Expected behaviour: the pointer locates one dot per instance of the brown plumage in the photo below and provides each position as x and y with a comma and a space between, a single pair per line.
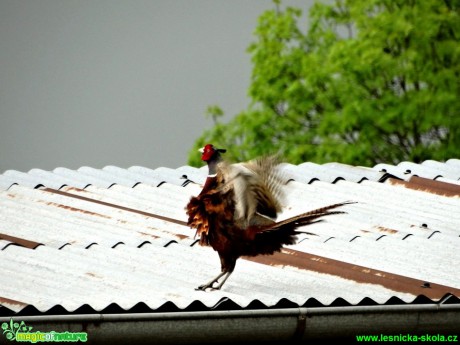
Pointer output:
236, 211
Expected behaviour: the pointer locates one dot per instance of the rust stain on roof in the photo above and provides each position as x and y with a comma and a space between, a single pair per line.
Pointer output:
388, 230
127, 209
70, 208
429, 186
93, 275
7, 301
182, 237
20, 241
360, 274
73, 189
146, 234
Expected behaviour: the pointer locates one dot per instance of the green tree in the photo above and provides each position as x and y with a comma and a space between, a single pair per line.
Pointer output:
368, 81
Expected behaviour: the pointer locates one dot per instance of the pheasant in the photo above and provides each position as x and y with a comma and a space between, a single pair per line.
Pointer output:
235, 212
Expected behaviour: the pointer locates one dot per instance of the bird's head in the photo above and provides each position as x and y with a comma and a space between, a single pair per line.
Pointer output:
210, 153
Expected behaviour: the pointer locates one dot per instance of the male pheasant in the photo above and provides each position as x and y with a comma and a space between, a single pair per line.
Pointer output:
235, 212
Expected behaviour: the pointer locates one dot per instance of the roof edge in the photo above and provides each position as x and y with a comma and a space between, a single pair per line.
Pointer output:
255, 325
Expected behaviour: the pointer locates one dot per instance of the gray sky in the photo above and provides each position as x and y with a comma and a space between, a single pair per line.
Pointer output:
113, 82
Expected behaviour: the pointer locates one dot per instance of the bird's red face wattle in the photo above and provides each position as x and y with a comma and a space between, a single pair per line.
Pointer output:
207, 152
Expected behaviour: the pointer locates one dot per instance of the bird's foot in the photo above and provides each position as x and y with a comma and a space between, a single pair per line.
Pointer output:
208, 286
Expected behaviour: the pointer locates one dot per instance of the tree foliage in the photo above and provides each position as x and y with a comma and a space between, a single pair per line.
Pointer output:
367, 81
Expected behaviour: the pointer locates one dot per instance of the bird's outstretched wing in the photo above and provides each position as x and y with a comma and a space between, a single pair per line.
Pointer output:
257, 190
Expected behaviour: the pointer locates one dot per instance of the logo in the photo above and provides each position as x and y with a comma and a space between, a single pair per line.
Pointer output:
15, 331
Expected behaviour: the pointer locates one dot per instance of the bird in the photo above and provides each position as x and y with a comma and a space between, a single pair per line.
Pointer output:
236, 211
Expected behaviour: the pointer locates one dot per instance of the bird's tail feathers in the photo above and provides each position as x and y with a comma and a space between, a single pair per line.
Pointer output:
306, 218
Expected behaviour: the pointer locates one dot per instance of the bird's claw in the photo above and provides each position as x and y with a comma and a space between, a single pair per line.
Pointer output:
207, 286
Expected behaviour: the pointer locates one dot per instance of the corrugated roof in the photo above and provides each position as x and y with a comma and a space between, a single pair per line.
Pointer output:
99, 238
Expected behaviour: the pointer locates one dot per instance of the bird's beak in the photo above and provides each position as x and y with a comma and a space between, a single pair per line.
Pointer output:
201, 150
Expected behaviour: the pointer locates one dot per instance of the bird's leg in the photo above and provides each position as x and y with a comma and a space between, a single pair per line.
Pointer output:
215, 280
227, 266
223, 281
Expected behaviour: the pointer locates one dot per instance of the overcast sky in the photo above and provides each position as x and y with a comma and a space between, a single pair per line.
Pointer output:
118, 82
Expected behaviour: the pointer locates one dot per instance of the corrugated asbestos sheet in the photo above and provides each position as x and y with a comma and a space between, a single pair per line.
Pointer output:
115, 240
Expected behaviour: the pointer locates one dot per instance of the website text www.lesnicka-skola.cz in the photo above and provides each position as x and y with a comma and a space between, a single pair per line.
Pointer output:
451, 338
